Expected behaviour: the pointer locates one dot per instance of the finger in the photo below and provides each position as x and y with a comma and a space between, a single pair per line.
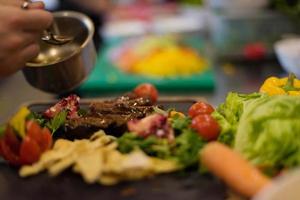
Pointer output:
16, 3
20, 40
31, 5
29, 52
29, 38
31, 20
38, 19
9, 66
19, 3
37, 5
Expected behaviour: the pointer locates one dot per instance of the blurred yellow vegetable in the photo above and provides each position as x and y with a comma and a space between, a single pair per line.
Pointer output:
158, 56
169, 62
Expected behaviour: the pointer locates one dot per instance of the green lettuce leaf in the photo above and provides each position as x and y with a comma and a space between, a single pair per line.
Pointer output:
268, 133
229, 113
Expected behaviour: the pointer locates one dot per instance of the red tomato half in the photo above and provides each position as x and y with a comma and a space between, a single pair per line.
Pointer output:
146, 90
200, 108
206, 126
47, 140
8, 154
42, 136
10, 146
30, 151
34, 131
1, 152
11, 140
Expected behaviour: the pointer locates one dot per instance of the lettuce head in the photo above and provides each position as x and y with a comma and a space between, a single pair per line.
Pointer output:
264, 129
268, 133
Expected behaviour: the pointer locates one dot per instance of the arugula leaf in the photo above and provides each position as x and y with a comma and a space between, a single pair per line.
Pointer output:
151, 145
184, 149
187, 147
127, 142
57, 121
159, 148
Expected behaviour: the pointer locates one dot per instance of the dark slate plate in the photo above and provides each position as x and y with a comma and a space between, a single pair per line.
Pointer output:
181, 185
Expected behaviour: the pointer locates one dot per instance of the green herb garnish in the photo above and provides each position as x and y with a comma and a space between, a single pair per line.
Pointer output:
57, 121
151, 145
37, 117
184, 149
187, 147
180, 123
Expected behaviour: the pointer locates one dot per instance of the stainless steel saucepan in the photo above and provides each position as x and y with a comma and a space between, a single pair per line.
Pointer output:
61, 68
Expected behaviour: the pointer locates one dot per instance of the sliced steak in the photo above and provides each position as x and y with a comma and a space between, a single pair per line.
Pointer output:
111, 116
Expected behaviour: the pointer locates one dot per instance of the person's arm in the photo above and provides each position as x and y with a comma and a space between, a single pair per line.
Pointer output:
20, 31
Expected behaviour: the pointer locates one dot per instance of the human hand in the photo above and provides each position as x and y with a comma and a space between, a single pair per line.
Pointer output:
18, 3
20, 31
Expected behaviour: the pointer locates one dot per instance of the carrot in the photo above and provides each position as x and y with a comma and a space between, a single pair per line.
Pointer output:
235, 171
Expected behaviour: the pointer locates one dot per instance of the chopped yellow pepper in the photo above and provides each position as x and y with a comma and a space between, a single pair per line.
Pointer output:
281, 86
18, 121
174, 113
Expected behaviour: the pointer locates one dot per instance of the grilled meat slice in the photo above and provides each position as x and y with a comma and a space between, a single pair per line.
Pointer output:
84, 127
111, 116
121, 109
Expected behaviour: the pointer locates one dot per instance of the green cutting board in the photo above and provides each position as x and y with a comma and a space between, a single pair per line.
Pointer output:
108, 78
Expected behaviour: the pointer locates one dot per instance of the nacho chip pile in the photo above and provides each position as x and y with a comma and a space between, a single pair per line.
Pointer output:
98, 160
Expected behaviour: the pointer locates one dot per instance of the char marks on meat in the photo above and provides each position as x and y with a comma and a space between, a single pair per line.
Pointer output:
111, 116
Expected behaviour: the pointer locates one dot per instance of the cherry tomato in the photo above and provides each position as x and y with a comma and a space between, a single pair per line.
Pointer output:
255, 51
200, 108
146, 90
30, 151
206, 126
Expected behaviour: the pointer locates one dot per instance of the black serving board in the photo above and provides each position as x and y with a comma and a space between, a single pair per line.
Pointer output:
180, 185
